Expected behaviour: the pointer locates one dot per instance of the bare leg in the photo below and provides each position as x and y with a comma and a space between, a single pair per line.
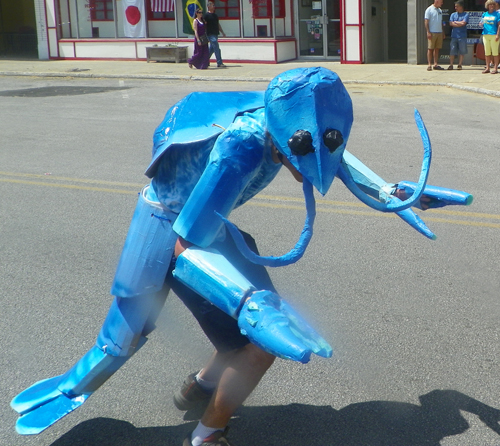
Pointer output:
488, 62
436, 56
460, 60
429, 57
452, 59
495, 67
216, 366
242, 374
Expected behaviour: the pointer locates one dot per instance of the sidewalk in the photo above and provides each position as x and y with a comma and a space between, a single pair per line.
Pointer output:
469, 79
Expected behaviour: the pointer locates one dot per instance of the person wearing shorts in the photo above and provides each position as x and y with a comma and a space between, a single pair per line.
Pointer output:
458, 45
434, 28
491, 35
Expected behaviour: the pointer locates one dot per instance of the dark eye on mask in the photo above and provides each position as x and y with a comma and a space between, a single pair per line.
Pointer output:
333, 139
301, 143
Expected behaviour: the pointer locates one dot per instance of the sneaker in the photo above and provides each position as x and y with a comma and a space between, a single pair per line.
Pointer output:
221, 66
191, 394
218, 438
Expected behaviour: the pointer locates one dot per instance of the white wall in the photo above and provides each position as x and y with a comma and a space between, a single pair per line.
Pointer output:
352, 33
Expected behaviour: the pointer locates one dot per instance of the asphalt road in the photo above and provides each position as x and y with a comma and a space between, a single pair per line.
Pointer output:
413, 322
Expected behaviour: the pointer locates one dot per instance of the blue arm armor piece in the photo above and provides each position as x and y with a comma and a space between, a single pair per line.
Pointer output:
210, 274
274, 326
267, 320
233, 162
439, 196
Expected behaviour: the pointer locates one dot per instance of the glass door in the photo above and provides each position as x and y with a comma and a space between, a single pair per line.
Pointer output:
319, 29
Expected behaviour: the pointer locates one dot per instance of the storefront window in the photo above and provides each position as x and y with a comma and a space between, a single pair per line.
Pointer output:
262, 9
160, 15
101, 10
91, 19
229, 9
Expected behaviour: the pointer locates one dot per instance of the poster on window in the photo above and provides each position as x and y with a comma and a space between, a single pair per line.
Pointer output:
134, 18
189, 7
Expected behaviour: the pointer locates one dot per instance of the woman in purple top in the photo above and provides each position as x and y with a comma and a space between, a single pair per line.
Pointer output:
201, 55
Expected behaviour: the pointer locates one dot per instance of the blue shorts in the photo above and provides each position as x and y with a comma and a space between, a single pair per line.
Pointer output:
458, 46
220, 328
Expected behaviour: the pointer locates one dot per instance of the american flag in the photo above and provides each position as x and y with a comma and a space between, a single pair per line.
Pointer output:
162, 5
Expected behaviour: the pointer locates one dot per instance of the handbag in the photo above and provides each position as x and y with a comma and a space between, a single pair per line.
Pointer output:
204, 39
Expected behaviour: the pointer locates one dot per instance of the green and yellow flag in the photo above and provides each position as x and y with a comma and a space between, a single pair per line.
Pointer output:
189, 8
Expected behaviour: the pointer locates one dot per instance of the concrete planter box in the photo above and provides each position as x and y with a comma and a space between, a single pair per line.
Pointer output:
166, 53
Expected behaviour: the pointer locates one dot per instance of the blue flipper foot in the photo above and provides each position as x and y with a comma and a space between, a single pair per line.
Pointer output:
46, 415
37, 395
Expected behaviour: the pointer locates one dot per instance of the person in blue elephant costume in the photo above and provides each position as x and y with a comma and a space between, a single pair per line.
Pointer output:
208, 160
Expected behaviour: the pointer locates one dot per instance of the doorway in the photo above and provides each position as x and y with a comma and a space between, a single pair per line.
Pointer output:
18, 29
319, 29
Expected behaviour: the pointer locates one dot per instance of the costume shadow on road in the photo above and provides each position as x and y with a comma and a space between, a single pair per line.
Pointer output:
372, 423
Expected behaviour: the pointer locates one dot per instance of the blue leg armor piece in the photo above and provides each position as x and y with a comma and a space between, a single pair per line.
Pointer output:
122, 334
263, 316
143, 266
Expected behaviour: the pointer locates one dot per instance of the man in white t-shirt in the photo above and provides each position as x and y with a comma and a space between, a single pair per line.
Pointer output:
434, 27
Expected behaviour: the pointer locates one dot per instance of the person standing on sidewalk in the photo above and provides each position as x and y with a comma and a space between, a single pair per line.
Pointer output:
200, 58
491, 36
213, 30
434, 27
458, 23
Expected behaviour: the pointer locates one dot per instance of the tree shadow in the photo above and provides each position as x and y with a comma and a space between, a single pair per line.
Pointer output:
372, 423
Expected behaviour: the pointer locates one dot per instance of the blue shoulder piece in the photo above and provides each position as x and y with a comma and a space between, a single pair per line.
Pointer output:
192, 119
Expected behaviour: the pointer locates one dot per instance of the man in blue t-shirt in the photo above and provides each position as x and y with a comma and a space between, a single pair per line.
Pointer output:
458, 45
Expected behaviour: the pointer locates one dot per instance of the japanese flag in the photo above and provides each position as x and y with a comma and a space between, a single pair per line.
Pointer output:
134, 18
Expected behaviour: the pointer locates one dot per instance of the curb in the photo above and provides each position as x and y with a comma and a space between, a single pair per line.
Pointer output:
476, 90
137, 76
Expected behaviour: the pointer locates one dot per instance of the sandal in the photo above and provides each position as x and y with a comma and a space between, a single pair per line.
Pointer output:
459, 67
450, 67
486, 70
494, 72
429, 68
437, 67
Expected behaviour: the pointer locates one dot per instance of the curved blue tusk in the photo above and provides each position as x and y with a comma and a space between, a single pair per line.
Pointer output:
296, 252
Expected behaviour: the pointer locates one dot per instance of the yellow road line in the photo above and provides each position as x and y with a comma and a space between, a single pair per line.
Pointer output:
258, 201
72, 180
69, 186
361, 205
373, 214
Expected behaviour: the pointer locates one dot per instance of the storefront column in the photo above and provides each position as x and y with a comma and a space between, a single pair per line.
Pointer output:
41, 30
417, 37
352, 31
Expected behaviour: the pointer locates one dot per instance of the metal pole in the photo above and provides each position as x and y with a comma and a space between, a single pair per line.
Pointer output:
242, 26
115, 15
274, 18
77, 20
175, 18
